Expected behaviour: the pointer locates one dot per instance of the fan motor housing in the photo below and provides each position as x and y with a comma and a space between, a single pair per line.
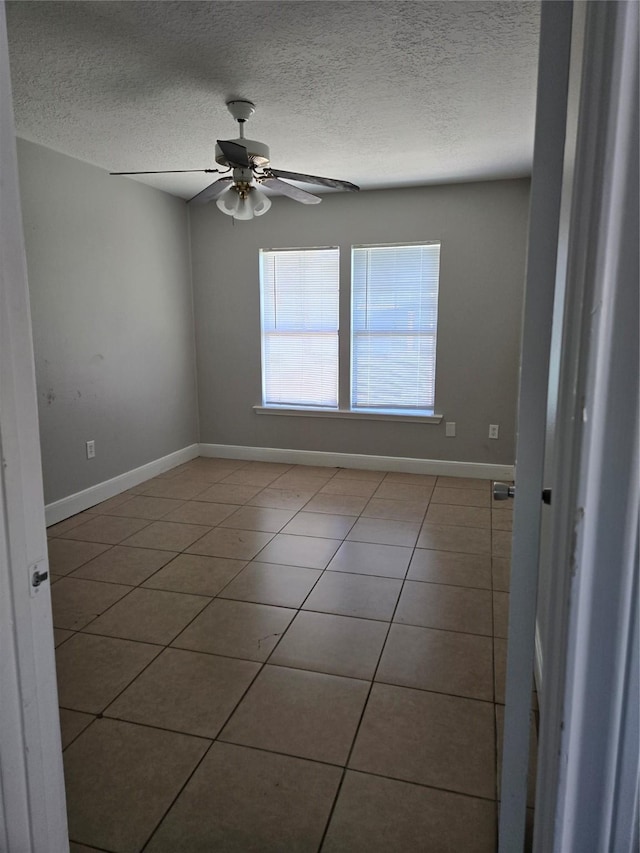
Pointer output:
258, 152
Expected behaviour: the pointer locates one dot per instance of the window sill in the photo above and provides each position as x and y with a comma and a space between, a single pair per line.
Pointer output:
292, 411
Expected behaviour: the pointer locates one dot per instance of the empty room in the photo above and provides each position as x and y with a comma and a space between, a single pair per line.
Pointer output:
287, 330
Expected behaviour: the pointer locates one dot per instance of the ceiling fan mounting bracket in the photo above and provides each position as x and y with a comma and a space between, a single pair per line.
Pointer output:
241, 110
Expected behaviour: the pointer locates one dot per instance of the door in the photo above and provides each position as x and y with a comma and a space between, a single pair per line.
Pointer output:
32, 808
579, 366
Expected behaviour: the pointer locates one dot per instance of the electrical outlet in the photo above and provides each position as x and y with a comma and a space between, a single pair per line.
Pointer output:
493, 430
91, 449
450, 429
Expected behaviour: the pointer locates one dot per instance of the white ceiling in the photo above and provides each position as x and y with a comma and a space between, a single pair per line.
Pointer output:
379, 93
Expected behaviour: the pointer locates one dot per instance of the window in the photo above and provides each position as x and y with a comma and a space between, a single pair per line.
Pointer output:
394, 319
300, 290
392, 330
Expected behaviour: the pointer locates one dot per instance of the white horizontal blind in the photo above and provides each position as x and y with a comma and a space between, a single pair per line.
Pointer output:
299, 292
394, 324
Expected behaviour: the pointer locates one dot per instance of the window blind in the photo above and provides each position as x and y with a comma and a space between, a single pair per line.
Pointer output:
299, 297
394, 323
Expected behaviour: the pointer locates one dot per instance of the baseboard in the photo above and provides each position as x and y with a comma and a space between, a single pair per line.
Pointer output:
403, 464
66, 507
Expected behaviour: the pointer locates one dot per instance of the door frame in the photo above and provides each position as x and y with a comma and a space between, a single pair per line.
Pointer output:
32, 796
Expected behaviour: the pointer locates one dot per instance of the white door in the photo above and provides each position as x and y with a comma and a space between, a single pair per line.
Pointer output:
579, 368
32, 807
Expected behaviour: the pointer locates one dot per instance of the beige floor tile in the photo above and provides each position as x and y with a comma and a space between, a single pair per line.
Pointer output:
145, 506
179, 489
243, 800
364, 596
321, 524
461, 497
365, 558
60, 635
186, 692
430, 738
228, 493
106, 529
270, 583
62, 526
336, 504
121, 779
231, 543
77, 602
296, 480
309, 552
500, 614
338, 645
403, 491
326, 471
464, 540
149, 616
71, 724
360, 474
104, 507
275, 468
375, 815
427, 480
450, 568
282, 498
442, 661
65, 555
502, 519
251, 477
395, 510
450, 608
463, 483
201, 512
167, 536
360, 488
500, 544
307, 714
196, 575
266, 519
93, 670
122, 564
384, 532
82, 848
501, 570
237, 629
499, 668
465, 516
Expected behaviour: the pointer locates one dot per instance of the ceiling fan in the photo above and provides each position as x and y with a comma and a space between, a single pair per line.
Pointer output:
247, 168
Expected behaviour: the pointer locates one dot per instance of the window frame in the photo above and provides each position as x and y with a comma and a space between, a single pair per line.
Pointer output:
345, 344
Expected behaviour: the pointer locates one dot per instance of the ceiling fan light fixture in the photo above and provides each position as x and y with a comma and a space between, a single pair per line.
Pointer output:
244, 203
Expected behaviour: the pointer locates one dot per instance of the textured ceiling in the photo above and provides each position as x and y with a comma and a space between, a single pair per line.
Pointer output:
379, 93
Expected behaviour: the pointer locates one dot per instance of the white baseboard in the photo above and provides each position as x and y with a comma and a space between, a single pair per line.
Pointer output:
407, 465
66, 507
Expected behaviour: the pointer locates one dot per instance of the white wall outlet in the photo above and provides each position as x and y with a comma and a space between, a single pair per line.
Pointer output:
450, 429
91, 449
493, 430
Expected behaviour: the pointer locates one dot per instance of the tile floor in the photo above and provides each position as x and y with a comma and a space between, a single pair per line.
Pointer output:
267, 657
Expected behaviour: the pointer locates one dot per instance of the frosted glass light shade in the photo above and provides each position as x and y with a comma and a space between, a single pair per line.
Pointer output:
231, 202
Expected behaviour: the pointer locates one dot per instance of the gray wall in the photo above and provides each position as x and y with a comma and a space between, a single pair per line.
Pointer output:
109, 280
482, 227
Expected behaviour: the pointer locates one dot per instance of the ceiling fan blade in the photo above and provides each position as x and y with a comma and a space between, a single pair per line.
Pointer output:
212, 191
165, 172
236, 154
293, 192
314, 179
